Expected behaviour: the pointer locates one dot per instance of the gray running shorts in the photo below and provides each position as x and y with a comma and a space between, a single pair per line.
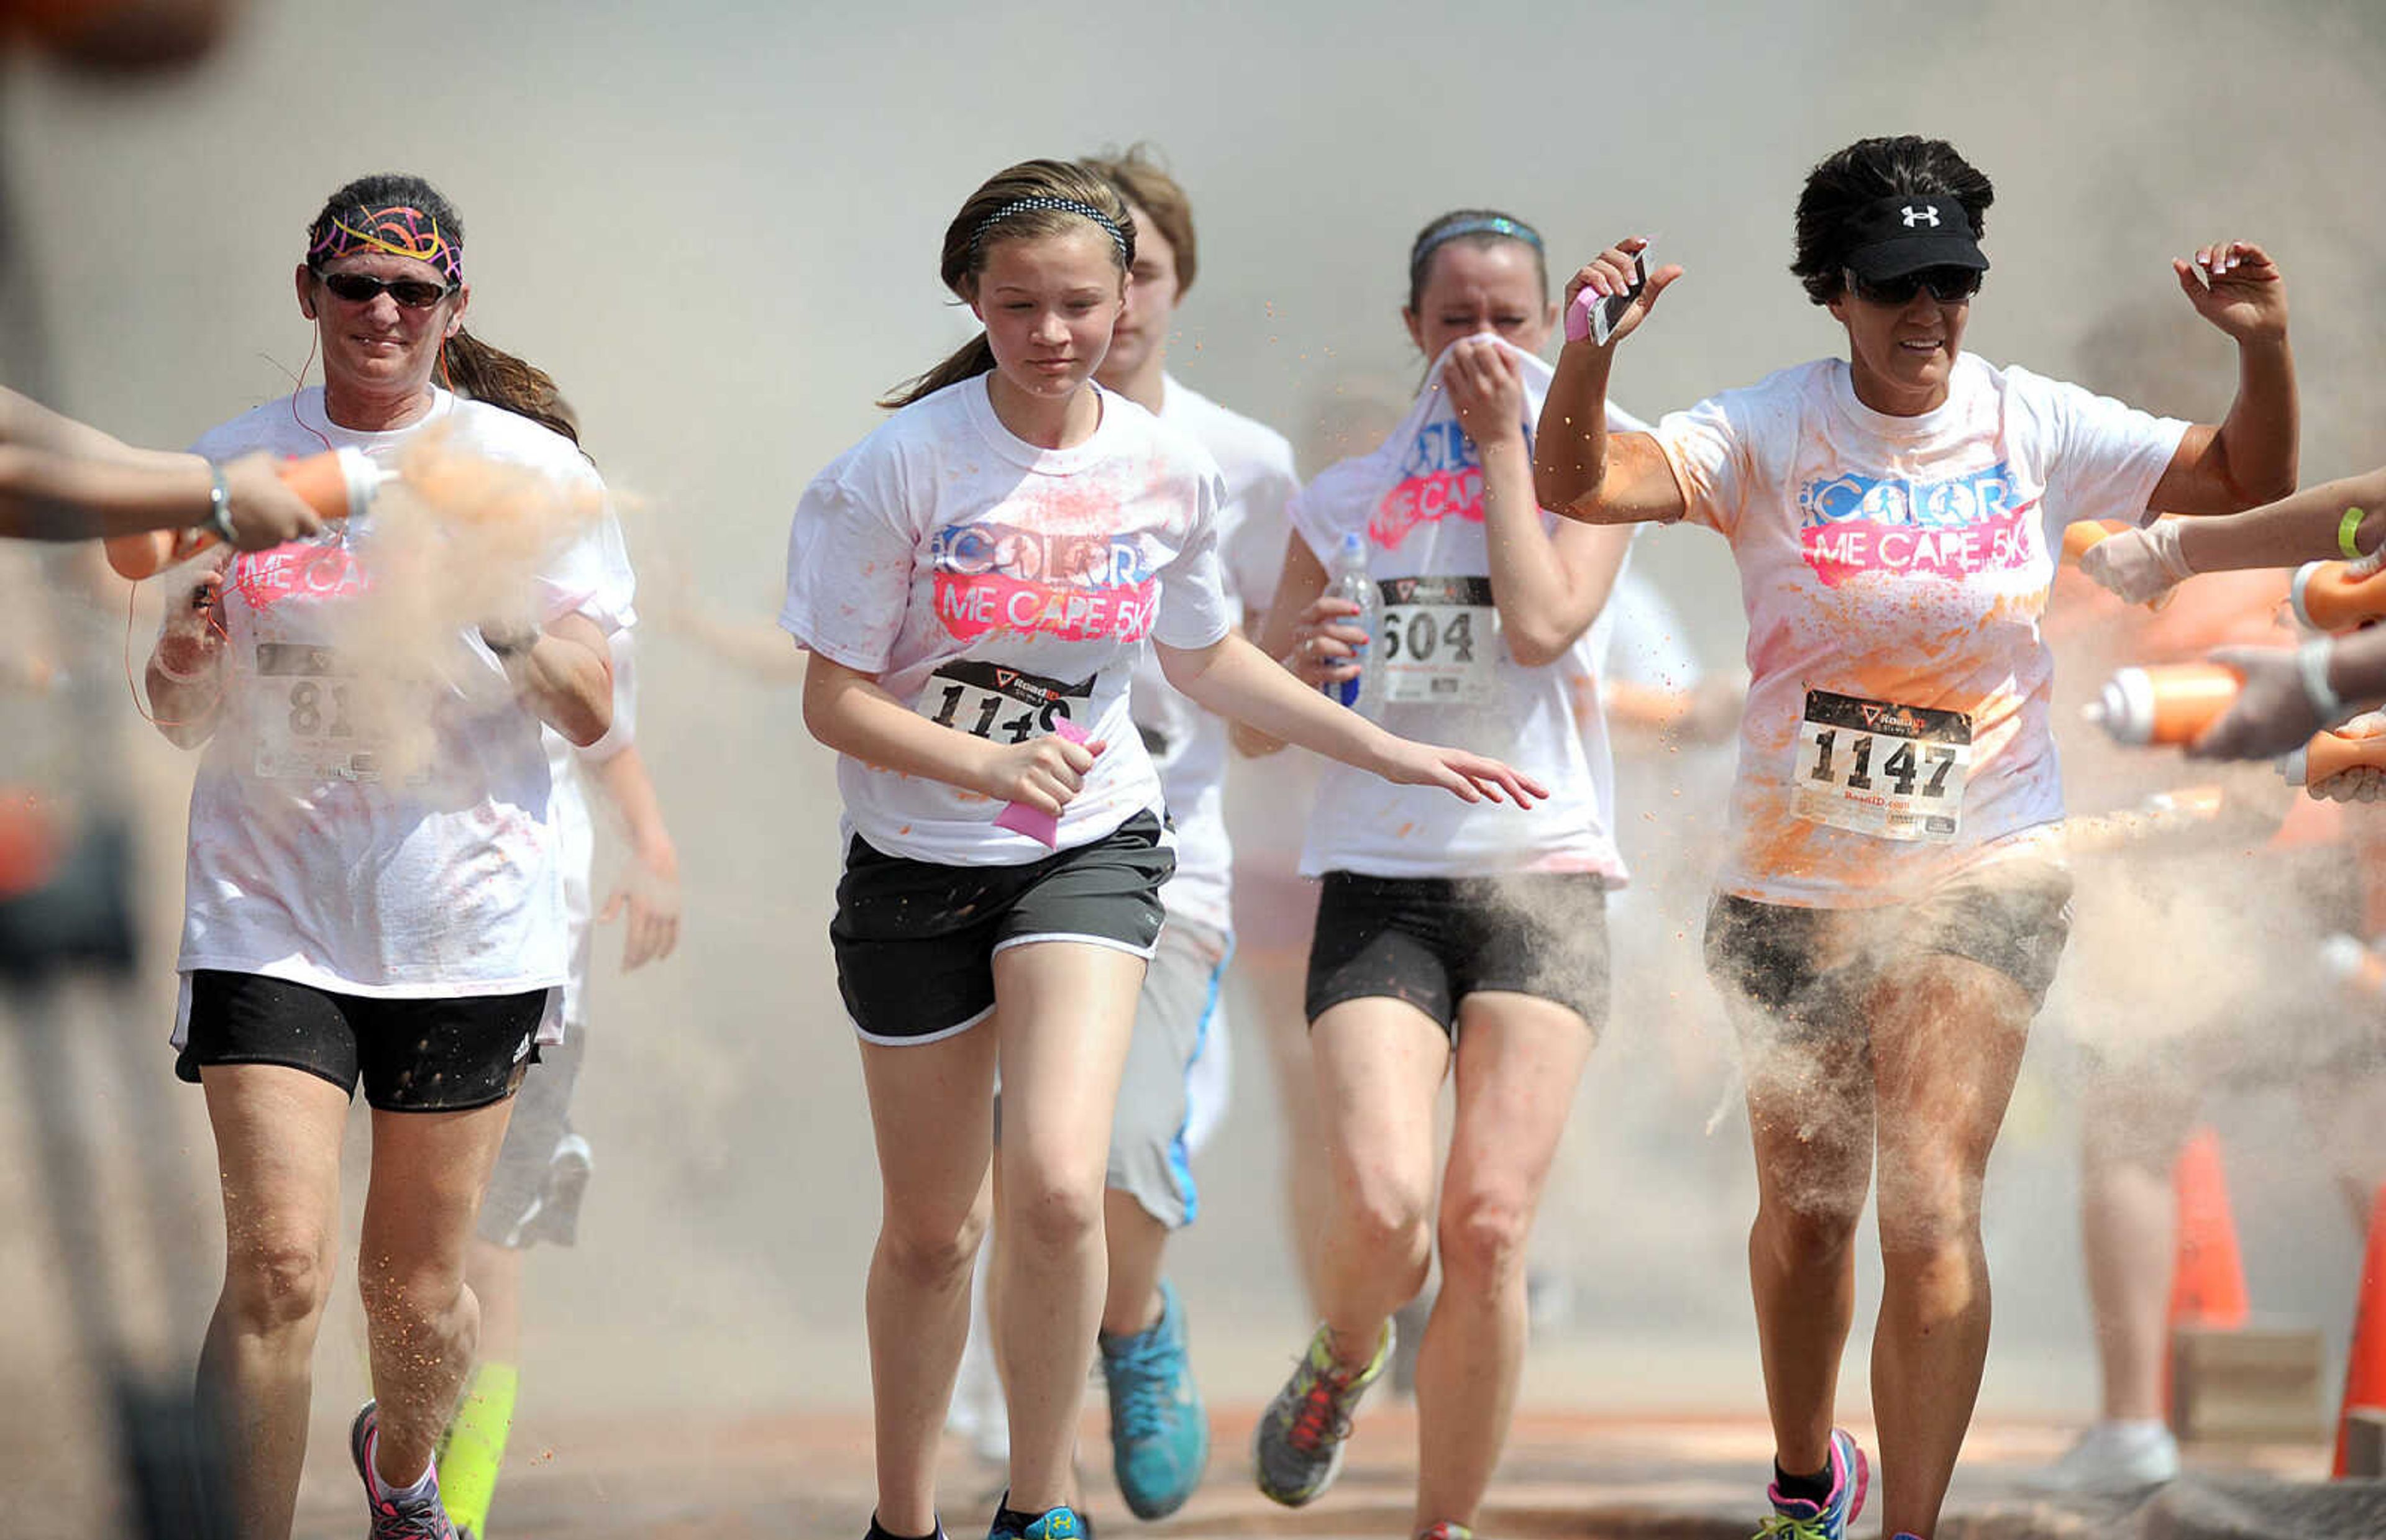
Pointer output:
1173, 1018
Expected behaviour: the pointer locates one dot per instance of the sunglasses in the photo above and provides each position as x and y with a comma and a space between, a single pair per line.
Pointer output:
415, 293
1947, 285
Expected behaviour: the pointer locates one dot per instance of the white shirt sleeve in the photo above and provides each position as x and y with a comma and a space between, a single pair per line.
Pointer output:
1708, 447
2107, 455
1254, 552
849, 576
1194, 611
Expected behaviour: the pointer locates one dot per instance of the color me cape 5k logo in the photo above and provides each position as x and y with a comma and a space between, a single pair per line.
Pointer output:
1956, 528
993, 576
1440, 478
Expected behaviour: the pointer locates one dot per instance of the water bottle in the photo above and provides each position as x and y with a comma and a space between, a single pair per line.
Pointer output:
1349, 581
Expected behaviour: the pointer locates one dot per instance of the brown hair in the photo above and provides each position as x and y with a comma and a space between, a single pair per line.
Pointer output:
1145, 184
971, 236
473, 367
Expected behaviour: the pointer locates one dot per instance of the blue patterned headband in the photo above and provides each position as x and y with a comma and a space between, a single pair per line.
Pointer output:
1498, 224
1060, 206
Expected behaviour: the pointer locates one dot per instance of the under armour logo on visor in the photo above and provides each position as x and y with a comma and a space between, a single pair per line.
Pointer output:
1926, 215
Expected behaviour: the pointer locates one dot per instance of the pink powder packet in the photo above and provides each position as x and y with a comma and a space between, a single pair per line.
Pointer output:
1034, 823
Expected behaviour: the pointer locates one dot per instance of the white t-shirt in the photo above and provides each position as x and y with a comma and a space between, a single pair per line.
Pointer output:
1187, 742
1447, 677
997, 587
444, 884
576, 824
1895, 571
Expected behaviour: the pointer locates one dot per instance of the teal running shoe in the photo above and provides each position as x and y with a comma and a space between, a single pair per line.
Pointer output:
1796, 1519
1160, 1432
1055, 1524
1297, 1452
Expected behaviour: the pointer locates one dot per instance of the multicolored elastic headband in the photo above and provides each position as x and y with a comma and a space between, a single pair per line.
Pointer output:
398, 229
1058, 205
1500, 224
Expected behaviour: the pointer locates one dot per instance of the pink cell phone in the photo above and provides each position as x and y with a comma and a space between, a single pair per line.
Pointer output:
1034, 823
1593, 317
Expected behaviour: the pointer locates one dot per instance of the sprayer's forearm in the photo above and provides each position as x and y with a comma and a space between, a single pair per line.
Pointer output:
564, 677
632, 791
1570, 441
851, 712
1243, 684
47, 494
2304, 526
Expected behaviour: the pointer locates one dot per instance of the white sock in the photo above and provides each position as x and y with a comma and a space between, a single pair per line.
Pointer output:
424, 1487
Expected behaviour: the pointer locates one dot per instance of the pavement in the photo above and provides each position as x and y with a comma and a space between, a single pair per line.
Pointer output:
1566, 1474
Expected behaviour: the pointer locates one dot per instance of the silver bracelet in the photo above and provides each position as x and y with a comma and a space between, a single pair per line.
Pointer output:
2312, 660
218, 521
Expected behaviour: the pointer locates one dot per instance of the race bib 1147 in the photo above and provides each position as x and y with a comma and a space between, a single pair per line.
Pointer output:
1880, 767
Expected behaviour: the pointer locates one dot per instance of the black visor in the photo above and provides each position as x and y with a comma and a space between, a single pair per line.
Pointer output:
1891, 237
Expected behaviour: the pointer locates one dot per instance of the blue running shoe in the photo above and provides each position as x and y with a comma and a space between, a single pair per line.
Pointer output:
422, 1520
1160, 1433
1796, 1519
1055, 1524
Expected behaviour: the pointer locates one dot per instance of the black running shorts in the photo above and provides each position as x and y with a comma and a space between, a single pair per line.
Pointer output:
1811, 969
915, 940
448, 1054
1432, 940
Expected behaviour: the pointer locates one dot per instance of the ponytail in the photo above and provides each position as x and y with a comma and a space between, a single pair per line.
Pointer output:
973, 359
476, 370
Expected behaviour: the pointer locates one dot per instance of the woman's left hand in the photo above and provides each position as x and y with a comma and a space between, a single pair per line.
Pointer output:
1469, 777
1488, 390
2247, 296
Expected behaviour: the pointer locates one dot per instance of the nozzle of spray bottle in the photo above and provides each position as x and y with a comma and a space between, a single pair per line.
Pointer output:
2354, 968
336, 484
2170, 703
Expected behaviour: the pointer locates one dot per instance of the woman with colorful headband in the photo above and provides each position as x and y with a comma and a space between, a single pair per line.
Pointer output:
1452, 943
975, 581
1895, 900
373, 888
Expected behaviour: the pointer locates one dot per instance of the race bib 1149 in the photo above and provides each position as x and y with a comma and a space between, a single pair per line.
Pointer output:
1005, 704
1880, 767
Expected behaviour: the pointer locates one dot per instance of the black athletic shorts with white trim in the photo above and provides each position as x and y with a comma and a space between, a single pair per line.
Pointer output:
1432, 940
1810, 970
445, 1055
915, 940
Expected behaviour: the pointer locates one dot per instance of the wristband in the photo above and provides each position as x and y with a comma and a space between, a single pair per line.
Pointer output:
2311, 661
2345, 530
218, 504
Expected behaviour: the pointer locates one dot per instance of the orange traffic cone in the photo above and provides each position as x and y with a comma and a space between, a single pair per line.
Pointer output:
2207, 1279
2365, 1367
2207, 1273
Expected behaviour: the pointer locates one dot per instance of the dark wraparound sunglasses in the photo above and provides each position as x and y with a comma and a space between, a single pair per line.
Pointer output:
1947, 285
415, 293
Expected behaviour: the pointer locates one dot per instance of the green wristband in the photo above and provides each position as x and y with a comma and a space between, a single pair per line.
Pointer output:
2345, 530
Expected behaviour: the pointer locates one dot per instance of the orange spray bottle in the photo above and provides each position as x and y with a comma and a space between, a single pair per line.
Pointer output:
335, 484
2334, 595
2358, 744
2170, 703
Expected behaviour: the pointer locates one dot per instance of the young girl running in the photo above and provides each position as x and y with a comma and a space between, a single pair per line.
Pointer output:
1451, 940
975, 582
347, 921
1894, 902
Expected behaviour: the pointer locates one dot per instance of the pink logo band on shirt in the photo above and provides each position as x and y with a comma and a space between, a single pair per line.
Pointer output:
1953, 528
